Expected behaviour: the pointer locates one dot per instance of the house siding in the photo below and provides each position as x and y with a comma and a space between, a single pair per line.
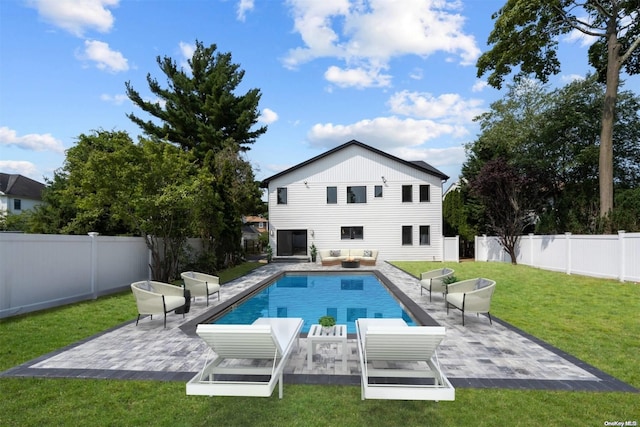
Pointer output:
381, 218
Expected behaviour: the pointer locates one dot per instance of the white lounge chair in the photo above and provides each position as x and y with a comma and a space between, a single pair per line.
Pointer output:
200, 284
238, 350
398, 361
433, 280
471, 296
157, 297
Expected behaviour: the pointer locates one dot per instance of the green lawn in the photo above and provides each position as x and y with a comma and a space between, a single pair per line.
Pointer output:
596, 320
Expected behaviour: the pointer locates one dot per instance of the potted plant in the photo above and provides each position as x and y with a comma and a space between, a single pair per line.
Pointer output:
269, 253
327, 323
314, 252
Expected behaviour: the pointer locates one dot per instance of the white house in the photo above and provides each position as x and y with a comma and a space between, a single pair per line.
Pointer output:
357, 197
19, 193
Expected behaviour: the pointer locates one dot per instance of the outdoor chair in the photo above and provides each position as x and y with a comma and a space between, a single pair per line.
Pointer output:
471, 296
433, 280
400, 362
244, 354
157, 297
200, 284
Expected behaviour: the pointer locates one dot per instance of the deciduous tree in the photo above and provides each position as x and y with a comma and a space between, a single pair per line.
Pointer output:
526, 34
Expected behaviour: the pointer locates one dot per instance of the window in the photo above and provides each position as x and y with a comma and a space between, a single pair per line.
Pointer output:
332, 195
407, 195
425, 239
17, 204
349, 233
377, 192
282, 196
357, 194
424, 193
407, 235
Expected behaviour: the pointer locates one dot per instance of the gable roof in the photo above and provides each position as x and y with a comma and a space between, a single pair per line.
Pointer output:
419, 164
20, 186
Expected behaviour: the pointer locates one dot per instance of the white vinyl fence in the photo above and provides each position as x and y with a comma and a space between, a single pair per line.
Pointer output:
451, 249
41, 271
610, 256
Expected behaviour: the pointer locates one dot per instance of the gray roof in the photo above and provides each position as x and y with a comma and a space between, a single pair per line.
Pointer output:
20, 186
419, 164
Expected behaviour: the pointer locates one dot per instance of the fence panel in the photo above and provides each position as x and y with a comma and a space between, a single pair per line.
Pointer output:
610, 256
451, 249
42, 271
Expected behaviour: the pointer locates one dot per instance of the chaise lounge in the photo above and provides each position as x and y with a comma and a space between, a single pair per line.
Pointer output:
398, 361
235, 370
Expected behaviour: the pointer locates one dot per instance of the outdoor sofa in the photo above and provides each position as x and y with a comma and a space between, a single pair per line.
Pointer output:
336, 256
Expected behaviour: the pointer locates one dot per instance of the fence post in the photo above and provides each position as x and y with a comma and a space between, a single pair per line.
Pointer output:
531, 249
567, 237
94, 263
622, 254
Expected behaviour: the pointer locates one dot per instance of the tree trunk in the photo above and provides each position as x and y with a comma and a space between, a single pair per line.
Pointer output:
608, 117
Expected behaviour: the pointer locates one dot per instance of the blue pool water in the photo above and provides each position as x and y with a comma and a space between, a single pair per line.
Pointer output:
346, 297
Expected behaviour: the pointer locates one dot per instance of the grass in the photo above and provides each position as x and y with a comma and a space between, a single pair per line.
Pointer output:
593, 319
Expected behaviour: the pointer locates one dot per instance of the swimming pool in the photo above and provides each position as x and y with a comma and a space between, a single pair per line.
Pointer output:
345, 296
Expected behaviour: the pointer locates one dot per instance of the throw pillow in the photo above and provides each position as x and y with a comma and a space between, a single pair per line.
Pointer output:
367, 253
334, 253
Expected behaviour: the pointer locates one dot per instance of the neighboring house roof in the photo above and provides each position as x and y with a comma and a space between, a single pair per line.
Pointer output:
254, 219
20, 186
420, 165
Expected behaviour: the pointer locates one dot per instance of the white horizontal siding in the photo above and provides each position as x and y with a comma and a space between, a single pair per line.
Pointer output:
381, 218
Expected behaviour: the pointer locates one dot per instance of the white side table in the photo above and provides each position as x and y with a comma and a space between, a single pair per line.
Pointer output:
317, 335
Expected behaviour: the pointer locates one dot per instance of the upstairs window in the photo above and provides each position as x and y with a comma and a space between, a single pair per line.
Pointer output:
407, 193
377, 191
332, 195
424, 193
357, 194
282, 195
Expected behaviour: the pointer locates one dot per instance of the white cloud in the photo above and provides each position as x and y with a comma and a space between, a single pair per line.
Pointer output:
77, 16
244, 6
117, 99
571, 77
479, 86
386, 133
438, 157
448, 107
104, 58
367, 34
21, 167
268, 116
33, 142
357, 77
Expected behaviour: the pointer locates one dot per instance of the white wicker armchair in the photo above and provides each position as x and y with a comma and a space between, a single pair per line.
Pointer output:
157, 297
433, 280
200, 284
471, 296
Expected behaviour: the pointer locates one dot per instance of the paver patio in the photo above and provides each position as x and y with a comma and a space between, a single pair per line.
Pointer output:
478, 355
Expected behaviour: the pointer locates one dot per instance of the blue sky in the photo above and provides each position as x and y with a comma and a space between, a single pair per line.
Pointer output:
399, 78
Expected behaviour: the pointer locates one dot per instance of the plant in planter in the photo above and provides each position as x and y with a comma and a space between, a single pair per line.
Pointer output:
313, 251
449, 280
327, 323
269, 253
